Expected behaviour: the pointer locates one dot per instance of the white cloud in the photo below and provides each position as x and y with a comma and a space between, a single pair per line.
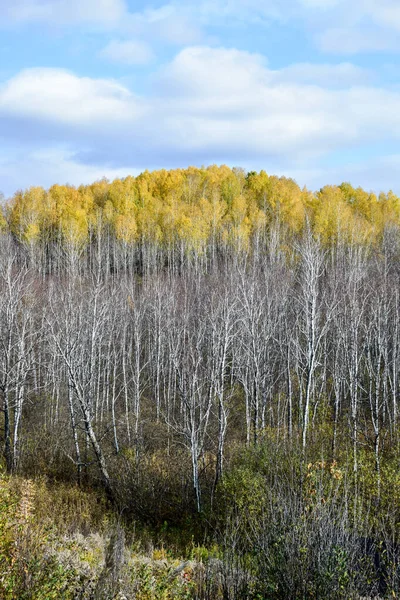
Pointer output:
184, 22
128, 52
360, 26
232, 96
249, 10
205, 72
63, 11
321, 4
207, 105
174, 23
337, 26
340, 75
60, 96
353, 40
384, 12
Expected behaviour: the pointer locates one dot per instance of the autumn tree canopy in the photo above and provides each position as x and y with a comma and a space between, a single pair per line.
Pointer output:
195, 207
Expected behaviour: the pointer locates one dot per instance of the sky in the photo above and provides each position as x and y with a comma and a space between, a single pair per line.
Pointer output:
309, 89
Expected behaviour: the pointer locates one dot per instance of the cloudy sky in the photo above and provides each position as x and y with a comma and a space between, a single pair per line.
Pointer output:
304, 88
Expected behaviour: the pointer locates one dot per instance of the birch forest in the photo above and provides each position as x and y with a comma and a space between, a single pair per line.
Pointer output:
199, 390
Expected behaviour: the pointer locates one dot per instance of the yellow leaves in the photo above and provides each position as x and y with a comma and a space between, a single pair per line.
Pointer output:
238, 210
108, 212
184, 227
99, 191
122, 195
283, 200
126, 228
165, 184
27, 214
387, 210
258, 184
196, 205
193, 227
3, 222
31, 233
335, 218
231, 188
195, 180
332, 215
148, 219
212, 211
72, 208
74, 227
361, 201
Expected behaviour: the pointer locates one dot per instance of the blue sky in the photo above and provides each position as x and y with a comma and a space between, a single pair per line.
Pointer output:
304, 88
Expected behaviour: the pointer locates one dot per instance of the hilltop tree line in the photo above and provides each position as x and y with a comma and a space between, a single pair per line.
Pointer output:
174, 217
165, 337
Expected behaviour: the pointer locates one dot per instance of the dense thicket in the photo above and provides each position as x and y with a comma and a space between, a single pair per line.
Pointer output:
214, 343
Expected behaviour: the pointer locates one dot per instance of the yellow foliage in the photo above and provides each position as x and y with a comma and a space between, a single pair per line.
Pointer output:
126, 228
196, 205
31, 233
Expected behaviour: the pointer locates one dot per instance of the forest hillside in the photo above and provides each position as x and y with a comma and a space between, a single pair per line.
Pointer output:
199, 389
